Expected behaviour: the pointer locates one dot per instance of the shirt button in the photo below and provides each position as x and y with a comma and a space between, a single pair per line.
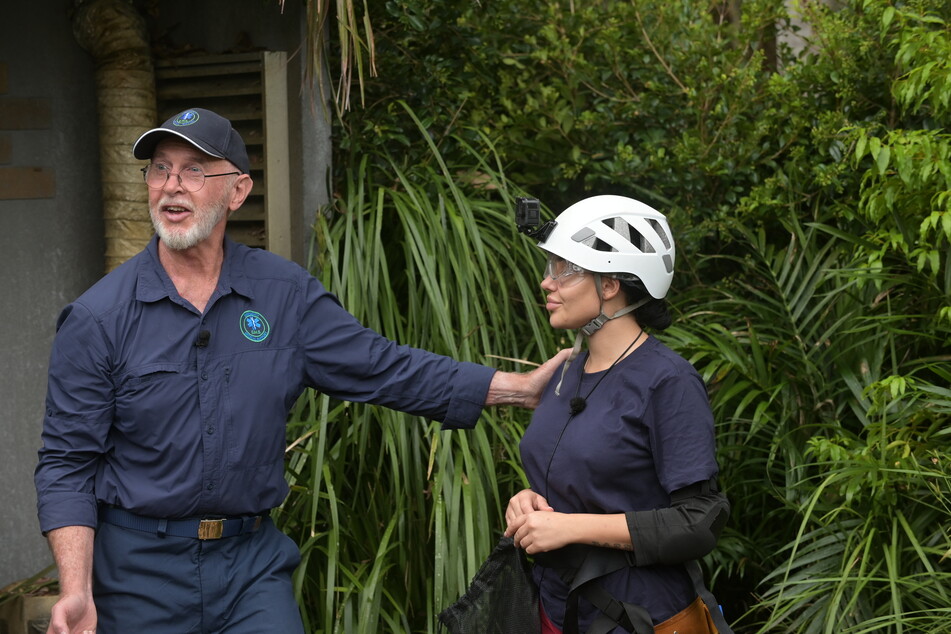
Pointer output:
204, 376
211, 485
210, 429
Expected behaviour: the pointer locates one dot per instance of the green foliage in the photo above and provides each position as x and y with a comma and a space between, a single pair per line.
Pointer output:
654, 99
906, 174
830, 427
873, 537
874, 158
809, 195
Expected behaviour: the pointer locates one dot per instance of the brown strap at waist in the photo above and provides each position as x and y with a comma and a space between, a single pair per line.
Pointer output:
693, 619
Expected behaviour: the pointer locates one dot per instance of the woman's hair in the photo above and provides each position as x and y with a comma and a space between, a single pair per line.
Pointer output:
655, 314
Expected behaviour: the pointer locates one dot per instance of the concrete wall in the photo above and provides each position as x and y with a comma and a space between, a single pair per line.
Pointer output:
53, 245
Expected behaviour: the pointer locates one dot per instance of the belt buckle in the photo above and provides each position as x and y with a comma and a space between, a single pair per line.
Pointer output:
210, 529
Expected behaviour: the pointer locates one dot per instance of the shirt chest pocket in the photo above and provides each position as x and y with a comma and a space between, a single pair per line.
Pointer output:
151, 401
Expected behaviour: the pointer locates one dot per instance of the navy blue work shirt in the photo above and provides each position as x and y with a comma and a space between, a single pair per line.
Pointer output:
139, 416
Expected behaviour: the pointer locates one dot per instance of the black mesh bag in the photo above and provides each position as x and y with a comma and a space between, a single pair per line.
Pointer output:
502, 598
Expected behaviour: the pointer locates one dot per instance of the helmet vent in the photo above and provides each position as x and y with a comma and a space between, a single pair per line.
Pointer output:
662, 234
629, 233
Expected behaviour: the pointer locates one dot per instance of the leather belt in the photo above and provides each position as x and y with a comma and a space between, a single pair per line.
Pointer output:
196, 528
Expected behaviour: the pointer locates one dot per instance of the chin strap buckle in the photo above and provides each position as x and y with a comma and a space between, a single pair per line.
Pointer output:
595, 324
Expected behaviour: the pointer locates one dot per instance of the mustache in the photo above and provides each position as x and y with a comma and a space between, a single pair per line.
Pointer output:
172, 202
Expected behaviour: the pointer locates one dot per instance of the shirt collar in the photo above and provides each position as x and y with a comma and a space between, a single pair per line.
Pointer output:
154, 283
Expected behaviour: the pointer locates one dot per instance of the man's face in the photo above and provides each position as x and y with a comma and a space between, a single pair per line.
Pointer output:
184, 219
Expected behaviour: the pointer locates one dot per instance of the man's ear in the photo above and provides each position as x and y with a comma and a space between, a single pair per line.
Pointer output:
242, 189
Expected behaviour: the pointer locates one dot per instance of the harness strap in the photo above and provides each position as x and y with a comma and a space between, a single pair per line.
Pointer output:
580, 567
631, 617
696, 576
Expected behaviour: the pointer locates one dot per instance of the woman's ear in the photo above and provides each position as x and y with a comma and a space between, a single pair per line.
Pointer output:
610, 287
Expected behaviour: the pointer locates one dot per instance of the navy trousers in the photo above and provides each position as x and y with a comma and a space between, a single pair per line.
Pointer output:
143, 583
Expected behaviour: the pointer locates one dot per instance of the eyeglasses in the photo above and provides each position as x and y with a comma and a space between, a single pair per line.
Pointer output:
562, 272
191, 178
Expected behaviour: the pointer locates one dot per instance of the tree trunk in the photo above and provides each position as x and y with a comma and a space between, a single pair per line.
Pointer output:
114, 33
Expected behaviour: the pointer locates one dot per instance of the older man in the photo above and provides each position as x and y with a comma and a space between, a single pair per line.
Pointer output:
170, 382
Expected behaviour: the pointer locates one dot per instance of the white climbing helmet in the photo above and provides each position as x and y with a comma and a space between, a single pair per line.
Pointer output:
619, 235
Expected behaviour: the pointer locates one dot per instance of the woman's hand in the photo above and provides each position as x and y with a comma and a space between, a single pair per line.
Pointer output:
541, 531
537, 527
522, 503
533, 524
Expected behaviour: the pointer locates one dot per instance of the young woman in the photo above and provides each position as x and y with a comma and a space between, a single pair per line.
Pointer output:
620, 452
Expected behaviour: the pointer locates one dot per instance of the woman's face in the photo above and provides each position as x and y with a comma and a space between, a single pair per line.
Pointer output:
572, 299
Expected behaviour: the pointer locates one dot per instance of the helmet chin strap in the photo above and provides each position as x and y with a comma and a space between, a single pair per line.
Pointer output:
594, 326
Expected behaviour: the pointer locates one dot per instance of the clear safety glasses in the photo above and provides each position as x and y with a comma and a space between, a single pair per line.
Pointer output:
562, 272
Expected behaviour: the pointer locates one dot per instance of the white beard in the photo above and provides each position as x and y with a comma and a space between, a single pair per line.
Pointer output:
205, 219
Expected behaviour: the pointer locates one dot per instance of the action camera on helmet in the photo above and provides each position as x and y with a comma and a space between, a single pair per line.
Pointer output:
528, 218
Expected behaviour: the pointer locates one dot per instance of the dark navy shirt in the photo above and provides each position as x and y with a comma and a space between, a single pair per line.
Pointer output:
647, 431
139, 416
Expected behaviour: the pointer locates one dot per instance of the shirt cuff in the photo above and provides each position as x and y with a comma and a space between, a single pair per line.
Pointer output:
470, 389
56, 510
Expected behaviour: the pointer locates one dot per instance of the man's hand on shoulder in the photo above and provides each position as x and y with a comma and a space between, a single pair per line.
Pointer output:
524, 389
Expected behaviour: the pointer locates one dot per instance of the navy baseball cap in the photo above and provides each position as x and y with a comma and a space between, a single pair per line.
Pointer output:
206, 130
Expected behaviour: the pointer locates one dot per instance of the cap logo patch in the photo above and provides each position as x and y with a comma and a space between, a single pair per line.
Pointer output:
254, 326
186, 118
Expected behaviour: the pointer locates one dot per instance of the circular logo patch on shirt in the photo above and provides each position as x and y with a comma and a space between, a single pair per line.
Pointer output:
186, 118
254, 326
